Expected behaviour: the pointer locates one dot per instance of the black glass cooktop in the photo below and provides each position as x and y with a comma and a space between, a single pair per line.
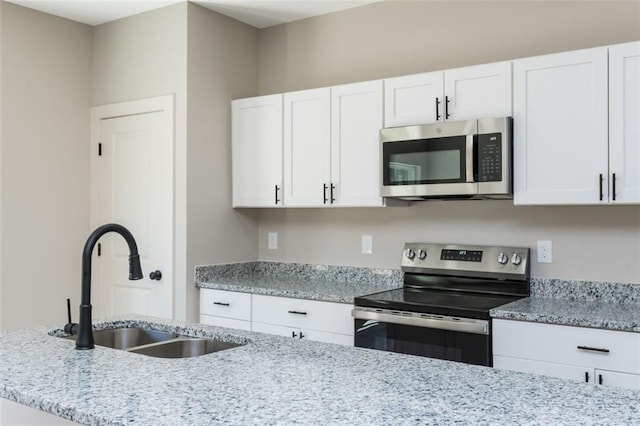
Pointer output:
438, 302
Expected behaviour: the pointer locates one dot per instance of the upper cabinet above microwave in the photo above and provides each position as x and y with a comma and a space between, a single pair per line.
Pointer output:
576, 127
480, 91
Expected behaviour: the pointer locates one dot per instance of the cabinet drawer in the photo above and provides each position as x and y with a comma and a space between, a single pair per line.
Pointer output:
604, 349
227, 304
300, 313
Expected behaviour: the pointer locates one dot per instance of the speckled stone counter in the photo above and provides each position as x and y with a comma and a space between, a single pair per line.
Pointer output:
613, 306
275, 380
302, 281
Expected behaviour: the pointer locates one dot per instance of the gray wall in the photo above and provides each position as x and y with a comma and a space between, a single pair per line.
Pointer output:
206, 60
222, 64
46, 93
397, 38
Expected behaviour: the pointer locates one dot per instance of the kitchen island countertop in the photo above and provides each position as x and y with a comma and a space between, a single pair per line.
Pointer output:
276, 380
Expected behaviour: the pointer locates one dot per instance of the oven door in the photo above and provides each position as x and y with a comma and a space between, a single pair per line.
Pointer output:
423, 340
430, 160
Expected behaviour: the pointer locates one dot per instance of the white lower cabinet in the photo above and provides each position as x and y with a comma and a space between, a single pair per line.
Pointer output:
303, 319
297, 318
602, 357
225, 308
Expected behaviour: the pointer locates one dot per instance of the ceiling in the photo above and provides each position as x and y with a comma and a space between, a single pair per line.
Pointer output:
258, 13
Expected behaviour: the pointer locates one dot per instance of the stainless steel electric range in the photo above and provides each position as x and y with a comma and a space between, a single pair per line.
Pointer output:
442, 310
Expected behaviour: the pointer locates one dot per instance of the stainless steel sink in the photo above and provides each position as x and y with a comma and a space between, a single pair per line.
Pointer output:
125, 338
159, 344
184, 348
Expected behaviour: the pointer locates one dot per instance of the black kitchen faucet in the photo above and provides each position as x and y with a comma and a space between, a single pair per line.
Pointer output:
84, 329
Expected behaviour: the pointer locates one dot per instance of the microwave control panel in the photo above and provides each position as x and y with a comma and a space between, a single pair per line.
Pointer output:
489, 157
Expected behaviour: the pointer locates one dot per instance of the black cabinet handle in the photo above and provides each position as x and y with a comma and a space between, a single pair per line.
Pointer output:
324, 193
586, 377
589, 348
437, 109
446, 108
601, 194
301, 335
613, 186
600, 379
297, 312
277, 189
155, 275
333, 188
221, 304
293, 334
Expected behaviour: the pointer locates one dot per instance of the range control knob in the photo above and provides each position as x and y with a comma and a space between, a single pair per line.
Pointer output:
516, 259
503, 258
422, 254
410, 254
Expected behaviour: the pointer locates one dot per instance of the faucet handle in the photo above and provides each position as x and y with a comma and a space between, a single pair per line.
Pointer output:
70, 327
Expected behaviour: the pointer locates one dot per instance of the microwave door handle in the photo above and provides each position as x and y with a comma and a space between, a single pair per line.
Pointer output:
470, 158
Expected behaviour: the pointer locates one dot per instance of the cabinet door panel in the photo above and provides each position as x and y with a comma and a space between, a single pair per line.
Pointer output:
614, 378
624, 122
295, 333
482, 91
307, 151
563, 371
411, 100
225, 322
257, 151
560, 127
356, 120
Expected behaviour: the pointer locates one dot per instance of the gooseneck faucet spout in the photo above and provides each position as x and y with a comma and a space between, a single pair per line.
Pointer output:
85, 329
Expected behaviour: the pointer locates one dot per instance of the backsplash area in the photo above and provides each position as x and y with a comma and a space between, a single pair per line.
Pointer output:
590, 243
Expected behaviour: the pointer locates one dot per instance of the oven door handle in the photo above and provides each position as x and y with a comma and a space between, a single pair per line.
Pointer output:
467, 325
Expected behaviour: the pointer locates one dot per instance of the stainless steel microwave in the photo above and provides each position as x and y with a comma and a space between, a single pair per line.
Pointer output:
462, 159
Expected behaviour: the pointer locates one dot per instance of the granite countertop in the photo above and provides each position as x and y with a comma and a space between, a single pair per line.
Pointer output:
611, 306
580, 313
276, 380
301, 281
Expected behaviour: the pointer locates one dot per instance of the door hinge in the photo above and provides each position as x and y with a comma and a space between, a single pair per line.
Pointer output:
99, 249
99, 149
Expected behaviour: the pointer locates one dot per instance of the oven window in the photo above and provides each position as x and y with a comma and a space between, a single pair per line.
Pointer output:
424, 161
428, 342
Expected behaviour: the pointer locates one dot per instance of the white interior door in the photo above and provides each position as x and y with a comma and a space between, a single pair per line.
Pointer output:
132, 173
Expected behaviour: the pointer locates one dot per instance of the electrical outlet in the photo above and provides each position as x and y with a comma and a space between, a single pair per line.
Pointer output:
545, 252
273, 241
367, 244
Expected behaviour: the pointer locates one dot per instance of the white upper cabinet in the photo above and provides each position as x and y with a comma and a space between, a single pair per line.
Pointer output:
576, 127
413, 99
331, 149
624, 123
356, 120
480, 91
307, 155
257, 151
560, 128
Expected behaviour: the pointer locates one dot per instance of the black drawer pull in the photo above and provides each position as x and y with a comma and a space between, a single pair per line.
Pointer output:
600, 379
586, 377
221, 304
297, 312
588, 348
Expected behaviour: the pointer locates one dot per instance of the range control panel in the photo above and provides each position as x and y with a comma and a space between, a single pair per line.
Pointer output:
451, 259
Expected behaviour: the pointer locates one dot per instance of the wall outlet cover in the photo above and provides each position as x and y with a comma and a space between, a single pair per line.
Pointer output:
273, 241
367, 244
545, 252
